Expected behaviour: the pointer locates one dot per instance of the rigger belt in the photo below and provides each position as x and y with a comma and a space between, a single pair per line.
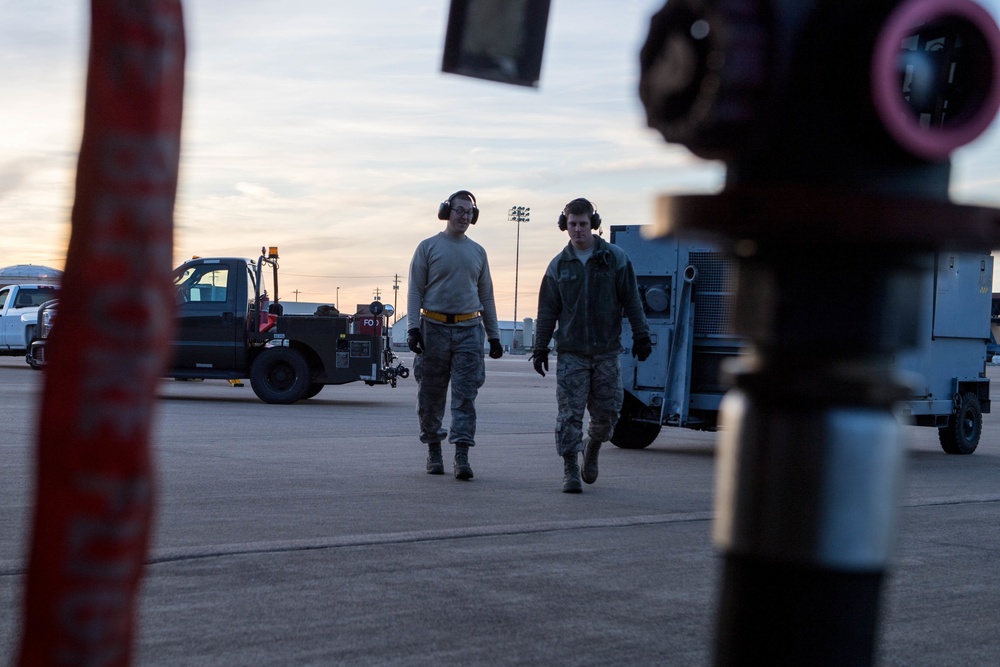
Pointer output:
448, 318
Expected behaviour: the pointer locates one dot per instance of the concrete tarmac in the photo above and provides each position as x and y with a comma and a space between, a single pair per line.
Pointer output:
310, 534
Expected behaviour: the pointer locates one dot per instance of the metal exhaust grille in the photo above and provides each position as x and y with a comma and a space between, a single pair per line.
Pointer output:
713, 292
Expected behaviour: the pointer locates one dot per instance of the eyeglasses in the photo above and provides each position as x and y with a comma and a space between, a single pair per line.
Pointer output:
462, 212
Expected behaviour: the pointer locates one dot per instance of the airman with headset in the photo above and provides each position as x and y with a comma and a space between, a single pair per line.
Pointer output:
451, 310
585, 290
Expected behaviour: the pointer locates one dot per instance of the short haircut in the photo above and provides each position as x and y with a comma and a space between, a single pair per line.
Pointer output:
579, 206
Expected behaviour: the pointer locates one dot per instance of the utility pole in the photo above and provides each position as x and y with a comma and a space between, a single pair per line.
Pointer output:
378, 294
395, 295
296, 293
337, 305
517, 214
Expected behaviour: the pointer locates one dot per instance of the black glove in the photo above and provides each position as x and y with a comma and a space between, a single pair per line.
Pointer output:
496, 349
642, 348
540, 359
415, 340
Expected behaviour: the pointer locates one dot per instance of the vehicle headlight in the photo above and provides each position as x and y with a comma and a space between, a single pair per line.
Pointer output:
47, 320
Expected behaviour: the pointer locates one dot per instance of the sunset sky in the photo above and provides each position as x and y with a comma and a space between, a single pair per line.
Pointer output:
327, 129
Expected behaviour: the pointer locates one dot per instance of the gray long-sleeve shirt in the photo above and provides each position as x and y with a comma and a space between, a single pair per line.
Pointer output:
451, 275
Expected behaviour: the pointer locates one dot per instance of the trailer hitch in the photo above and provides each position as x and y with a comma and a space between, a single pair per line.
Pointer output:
394, 372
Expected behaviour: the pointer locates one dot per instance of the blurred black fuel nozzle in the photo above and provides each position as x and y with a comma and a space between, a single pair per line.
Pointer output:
836, 120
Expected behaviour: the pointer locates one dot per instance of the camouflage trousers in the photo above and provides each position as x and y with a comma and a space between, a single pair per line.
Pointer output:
593, 382
451, 354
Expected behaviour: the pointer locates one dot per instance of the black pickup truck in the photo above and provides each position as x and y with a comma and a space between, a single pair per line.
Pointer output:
225, 329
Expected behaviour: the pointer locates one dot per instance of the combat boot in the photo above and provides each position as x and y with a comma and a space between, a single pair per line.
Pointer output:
590, 453
571, 476
435, 462
462, 468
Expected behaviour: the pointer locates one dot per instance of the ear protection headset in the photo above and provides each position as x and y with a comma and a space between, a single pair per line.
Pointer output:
595, 217
444, 210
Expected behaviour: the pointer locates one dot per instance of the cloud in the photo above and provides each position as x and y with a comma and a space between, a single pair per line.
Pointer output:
13, 174
328, 129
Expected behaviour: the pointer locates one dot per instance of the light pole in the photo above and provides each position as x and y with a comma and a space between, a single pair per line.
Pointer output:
517, 214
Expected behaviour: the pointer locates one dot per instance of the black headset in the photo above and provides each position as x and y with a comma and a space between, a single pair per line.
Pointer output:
595, 217
444, 210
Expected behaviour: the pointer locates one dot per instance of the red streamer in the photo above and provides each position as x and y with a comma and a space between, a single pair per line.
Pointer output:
95, 487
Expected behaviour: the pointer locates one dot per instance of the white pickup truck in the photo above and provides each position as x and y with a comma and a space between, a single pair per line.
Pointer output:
19, 313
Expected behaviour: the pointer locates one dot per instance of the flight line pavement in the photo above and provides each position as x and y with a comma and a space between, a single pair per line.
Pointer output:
310, 534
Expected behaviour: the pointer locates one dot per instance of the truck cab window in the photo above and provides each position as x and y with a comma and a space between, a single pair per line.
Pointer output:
252, 285
203, 284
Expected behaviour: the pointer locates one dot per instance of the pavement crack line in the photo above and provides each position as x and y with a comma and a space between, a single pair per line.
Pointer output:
944, 502
168, 555
175, 554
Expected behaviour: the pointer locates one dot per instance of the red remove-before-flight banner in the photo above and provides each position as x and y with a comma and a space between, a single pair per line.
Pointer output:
95, 482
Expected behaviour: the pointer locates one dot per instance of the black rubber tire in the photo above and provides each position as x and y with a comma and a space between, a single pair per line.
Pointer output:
280, 375
631, 434
314, 388
961, 435
30, 358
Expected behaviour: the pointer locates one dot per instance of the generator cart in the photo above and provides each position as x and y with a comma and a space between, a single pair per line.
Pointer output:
687, 290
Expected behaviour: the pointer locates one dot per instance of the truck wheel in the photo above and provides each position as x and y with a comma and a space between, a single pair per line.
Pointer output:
961, 435
314, 388
632, 434
31, 359
280, 375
